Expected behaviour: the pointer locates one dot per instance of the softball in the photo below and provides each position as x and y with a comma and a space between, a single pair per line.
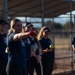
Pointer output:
51, 46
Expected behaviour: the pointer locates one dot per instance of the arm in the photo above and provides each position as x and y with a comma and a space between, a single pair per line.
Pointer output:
20, 36
33, 53
46, 50
73, 43
36, 56
43, 47
73, 47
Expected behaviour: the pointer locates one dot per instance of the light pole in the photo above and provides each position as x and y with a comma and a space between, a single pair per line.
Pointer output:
6, 10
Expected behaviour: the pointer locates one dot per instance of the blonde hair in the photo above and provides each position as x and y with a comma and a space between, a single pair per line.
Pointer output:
12, 24
40, 34
23, 29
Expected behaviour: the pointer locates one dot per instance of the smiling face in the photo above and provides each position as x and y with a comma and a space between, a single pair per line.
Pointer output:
18, 27
3, 28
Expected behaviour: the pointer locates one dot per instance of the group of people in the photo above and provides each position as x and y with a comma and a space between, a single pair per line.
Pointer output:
24, 50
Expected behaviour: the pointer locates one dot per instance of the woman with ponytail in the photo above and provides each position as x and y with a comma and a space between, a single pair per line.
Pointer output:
47, 51
16, 49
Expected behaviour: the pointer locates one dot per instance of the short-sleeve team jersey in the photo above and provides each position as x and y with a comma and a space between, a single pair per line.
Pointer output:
17, 52
27, 42
73, 41
45, 42
34, 43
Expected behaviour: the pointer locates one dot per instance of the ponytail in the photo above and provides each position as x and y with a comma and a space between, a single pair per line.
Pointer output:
10, 31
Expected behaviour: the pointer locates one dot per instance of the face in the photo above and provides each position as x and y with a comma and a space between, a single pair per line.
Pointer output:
3, 28
34, 30
45, 34
29, 28
18, 27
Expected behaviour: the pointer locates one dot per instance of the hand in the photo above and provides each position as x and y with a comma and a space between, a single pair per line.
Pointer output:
32, 33
37, 58
49, 49
6, 51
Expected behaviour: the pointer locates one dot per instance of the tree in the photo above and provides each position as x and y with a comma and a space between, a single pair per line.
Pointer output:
57, 26
68, 25
53, 25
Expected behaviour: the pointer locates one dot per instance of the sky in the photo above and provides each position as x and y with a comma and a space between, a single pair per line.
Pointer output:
62, 19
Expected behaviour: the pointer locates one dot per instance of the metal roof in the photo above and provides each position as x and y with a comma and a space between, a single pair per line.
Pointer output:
33, 8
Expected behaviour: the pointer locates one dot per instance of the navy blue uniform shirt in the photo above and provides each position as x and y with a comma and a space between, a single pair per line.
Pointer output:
73, 41
45, 44
35, 44
3, 45
28, 47
17, 52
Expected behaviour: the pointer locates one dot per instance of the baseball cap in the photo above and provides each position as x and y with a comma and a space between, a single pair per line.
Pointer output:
28, 24
46, 30
2, 21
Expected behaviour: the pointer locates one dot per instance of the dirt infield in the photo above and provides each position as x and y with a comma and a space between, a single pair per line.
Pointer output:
64, 63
